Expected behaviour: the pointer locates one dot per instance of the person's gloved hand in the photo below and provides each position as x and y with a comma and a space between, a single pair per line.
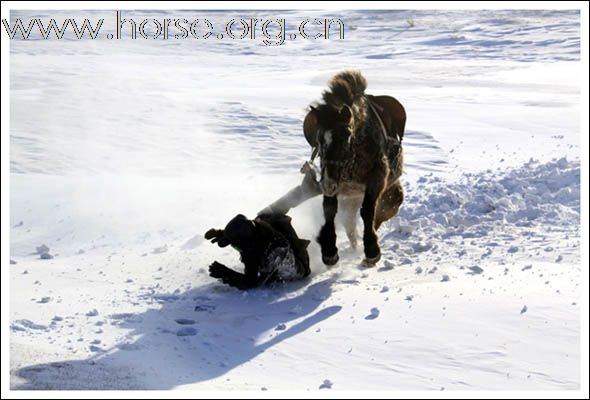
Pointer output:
217, 236
217, 270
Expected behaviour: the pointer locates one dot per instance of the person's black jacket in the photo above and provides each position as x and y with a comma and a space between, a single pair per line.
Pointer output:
269, 248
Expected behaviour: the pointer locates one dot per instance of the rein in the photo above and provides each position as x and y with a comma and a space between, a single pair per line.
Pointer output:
373, 106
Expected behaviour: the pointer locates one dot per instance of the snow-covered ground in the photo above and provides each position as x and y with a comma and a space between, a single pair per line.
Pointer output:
123, 153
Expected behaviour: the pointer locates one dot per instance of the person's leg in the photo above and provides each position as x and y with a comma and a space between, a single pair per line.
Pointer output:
308, 188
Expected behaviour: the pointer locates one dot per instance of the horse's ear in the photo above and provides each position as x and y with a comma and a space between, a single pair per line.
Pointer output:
310, 127
345, 115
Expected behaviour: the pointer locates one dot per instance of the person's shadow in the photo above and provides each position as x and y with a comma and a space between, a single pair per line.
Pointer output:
195, 336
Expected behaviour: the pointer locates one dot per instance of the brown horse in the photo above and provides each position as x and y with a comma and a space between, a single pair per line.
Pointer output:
359, 141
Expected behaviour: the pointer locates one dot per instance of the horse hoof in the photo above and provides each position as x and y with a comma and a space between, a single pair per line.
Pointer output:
330, 260
371, 262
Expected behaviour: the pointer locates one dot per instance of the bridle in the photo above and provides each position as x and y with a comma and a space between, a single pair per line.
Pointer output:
310, 164
337, 163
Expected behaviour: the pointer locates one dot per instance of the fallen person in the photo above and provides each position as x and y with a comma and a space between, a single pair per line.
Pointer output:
269, 248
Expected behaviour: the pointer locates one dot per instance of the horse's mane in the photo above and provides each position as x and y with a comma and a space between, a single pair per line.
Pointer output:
345, 88
348, 88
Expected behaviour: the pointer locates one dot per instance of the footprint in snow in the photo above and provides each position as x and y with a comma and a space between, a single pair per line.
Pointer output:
327, 384
185, 321
374, 313
281, 327
204, 307
475, 270
186, 331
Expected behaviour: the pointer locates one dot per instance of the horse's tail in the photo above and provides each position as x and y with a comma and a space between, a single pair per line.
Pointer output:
346, 87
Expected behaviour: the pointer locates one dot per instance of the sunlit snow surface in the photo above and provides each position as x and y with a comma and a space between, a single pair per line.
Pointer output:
124, 152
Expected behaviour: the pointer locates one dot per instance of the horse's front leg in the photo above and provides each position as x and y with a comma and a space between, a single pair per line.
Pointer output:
327, 236
372, 250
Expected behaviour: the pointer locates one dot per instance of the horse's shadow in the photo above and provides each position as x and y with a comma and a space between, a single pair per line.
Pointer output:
193, 337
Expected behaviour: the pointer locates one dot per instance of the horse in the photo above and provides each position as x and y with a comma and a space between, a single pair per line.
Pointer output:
359, 141
358, 138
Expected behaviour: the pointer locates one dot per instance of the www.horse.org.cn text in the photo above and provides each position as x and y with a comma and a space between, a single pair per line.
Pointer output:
269, 31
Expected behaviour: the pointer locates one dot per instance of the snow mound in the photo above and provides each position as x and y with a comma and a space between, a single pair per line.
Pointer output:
477, 203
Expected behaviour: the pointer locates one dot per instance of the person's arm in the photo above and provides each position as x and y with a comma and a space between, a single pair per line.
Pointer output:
230, 277
217, 236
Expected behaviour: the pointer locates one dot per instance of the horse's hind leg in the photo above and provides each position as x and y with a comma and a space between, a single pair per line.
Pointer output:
350, 207
389, 203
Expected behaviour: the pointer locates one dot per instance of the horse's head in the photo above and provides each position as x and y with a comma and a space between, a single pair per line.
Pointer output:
330, 130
